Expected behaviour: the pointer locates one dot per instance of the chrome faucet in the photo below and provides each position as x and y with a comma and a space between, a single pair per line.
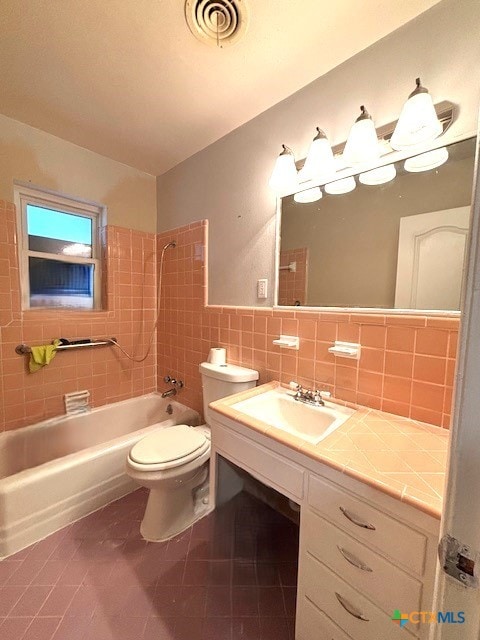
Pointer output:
309, 396
176, 384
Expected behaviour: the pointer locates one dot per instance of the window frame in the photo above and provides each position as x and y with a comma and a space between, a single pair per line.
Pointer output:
25, 195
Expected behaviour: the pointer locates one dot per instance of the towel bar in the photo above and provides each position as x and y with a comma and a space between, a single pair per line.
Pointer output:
23, 349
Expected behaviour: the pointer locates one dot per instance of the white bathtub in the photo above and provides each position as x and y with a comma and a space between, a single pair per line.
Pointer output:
59, 470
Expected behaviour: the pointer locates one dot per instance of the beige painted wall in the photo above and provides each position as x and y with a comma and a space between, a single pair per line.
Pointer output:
31, 155
353, 238
228, 181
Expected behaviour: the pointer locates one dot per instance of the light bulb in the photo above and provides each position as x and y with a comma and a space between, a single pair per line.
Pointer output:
345, 185
362, 142
426, 161
418, 122
309, 195
284, 178
381, 175
319, 163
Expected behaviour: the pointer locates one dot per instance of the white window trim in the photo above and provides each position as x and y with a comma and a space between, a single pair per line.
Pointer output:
25, 194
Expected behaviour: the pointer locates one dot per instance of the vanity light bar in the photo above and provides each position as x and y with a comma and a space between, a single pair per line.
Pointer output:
445, 111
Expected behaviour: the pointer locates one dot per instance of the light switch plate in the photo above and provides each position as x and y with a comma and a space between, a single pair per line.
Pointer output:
262, 288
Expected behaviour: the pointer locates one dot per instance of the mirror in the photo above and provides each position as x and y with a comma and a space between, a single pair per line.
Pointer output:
396, 245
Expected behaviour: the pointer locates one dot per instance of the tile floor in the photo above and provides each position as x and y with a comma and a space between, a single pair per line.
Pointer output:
232, 576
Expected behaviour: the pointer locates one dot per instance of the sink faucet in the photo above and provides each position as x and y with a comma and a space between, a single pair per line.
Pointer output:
309, 396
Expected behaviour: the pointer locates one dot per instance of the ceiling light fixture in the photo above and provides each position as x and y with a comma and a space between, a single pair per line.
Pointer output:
309, 195
418, 122
284, 178
362, 142
381, 175
319, 164
340, 186
426, 161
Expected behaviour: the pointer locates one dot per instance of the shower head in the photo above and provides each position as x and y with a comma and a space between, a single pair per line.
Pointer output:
172, 244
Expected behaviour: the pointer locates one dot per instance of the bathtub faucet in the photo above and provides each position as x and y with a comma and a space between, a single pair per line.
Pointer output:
176, 384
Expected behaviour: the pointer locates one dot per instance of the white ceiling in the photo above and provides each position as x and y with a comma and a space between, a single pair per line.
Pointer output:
127, 79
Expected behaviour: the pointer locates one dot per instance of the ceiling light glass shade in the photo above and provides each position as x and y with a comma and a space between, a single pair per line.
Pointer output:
345, 185
426, 161
378, 176
319, 164
418, 122
284, 178
362, 142
309, 195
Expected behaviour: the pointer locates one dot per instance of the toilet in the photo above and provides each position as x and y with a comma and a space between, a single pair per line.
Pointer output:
173, 462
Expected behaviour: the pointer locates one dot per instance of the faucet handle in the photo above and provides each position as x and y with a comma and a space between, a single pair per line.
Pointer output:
173, 381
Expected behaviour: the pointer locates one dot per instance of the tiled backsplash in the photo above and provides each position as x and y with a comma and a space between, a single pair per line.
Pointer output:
130, 297
407, 363
406, 367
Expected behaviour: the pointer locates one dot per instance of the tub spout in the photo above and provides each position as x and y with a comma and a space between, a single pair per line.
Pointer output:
169, 393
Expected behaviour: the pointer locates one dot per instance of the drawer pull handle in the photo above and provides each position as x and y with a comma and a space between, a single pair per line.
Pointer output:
349, 557
350, 608
355, 520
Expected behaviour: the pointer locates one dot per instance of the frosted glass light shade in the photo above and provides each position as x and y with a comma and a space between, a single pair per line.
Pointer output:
418, 122
345, 185
319, 163
284, 178
381, 175
362, 142
309, 195
426, 161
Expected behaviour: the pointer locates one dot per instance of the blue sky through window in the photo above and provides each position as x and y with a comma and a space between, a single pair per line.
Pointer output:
48, 223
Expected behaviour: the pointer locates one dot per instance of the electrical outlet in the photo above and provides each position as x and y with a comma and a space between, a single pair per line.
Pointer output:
262, 287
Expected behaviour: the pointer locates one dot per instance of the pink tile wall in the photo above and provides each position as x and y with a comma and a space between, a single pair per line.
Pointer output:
407, 363
292, 286
129, 259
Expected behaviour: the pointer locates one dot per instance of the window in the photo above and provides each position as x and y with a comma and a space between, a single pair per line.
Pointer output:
59, 250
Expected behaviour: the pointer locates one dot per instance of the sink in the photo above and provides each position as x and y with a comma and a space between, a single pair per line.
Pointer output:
279, 409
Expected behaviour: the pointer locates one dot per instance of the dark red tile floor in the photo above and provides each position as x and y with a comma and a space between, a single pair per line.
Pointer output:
232, 576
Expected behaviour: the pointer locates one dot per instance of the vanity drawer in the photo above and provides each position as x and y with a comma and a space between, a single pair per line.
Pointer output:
361, 567
313, 624
353, 613
403, 545
269, 467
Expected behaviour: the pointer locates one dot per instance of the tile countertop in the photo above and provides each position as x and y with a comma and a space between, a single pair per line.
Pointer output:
403, 458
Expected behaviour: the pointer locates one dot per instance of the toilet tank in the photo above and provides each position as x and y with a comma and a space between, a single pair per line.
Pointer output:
219, 381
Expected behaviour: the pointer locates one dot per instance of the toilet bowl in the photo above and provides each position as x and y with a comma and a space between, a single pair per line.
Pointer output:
173, 462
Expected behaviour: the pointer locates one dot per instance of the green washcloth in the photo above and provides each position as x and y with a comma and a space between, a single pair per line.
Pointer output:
41, 356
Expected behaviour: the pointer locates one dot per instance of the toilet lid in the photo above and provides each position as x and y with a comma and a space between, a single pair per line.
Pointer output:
168, 444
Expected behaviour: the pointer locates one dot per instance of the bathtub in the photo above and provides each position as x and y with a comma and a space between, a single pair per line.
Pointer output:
59, 470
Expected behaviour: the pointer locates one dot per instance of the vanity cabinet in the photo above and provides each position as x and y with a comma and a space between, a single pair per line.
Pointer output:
362, 555
359, 563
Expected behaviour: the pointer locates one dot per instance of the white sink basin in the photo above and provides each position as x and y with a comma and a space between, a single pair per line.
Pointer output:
279, 409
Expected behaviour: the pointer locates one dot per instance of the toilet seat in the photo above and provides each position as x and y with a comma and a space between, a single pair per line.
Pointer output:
168, 448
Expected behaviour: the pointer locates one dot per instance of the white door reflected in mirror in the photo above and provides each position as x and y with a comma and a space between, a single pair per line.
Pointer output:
431, 258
